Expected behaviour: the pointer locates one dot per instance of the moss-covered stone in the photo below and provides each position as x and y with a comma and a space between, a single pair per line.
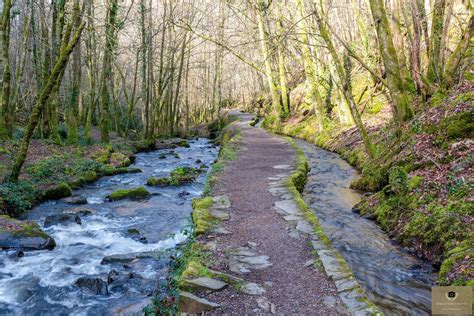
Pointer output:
57, 192
135, 193
118, 159
201, 217
133, 231
182, 175
161, 181
184, 143
26, 235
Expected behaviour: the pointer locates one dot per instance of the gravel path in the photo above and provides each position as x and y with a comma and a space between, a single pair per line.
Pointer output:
291, 283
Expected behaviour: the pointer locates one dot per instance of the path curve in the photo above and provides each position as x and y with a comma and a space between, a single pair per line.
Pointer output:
283, 273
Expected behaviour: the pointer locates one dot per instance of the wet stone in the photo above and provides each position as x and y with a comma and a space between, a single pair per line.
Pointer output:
95, 286
75, 200
63, 219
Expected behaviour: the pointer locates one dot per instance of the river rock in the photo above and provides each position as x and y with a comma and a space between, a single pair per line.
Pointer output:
94, 285
191, 304
62, 219
24, 235
127, 258
75, 200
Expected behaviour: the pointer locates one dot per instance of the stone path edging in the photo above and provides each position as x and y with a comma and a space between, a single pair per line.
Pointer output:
290, 207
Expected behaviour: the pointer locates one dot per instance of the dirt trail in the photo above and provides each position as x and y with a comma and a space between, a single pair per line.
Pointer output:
262, 247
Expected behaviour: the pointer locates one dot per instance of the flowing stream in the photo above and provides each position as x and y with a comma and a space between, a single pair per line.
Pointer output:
133, 232
397, 282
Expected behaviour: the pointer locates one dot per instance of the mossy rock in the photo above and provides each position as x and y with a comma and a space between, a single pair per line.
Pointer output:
60, 191
201, 217
118, 159
162, 181
25, 235
184, 143
182, 175
135, 193
133, 231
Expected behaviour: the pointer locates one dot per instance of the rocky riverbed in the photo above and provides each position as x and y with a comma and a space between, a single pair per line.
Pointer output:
87, 254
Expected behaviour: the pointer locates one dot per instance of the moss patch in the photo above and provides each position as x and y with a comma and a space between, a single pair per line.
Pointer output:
60, 191
201, 218
135, 193
162, 181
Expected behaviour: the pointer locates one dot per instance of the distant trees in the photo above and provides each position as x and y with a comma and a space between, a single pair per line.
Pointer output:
156, 67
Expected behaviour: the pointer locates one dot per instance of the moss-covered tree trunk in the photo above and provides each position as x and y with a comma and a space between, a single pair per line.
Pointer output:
105, 93
399, 92
343, 70
6, 124
275, 94
44, 96
454, 60
281, 62
311, 80
73, 106
435, 68
91, 69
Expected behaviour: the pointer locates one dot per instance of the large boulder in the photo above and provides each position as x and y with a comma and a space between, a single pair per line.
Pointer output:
25, 235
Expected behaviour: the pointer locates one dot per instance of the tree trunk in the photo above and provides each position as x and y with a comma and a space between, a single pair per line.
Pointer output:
6, 125
268, 63
396, 84
105, 98
435, 68
43, 98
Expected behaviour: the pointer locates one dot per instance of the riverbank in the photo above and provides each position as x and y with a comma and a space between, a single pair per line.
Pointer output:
53, 171
254, 244
112, 251
421, 177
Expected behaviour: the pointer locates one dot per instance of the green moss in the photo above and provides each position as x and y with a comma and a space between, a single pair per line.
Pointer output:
57, 192
201, 218
415, 182
182, 175
454, 259
162, 181
117, 159
184, 143
133, 231
135, 193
